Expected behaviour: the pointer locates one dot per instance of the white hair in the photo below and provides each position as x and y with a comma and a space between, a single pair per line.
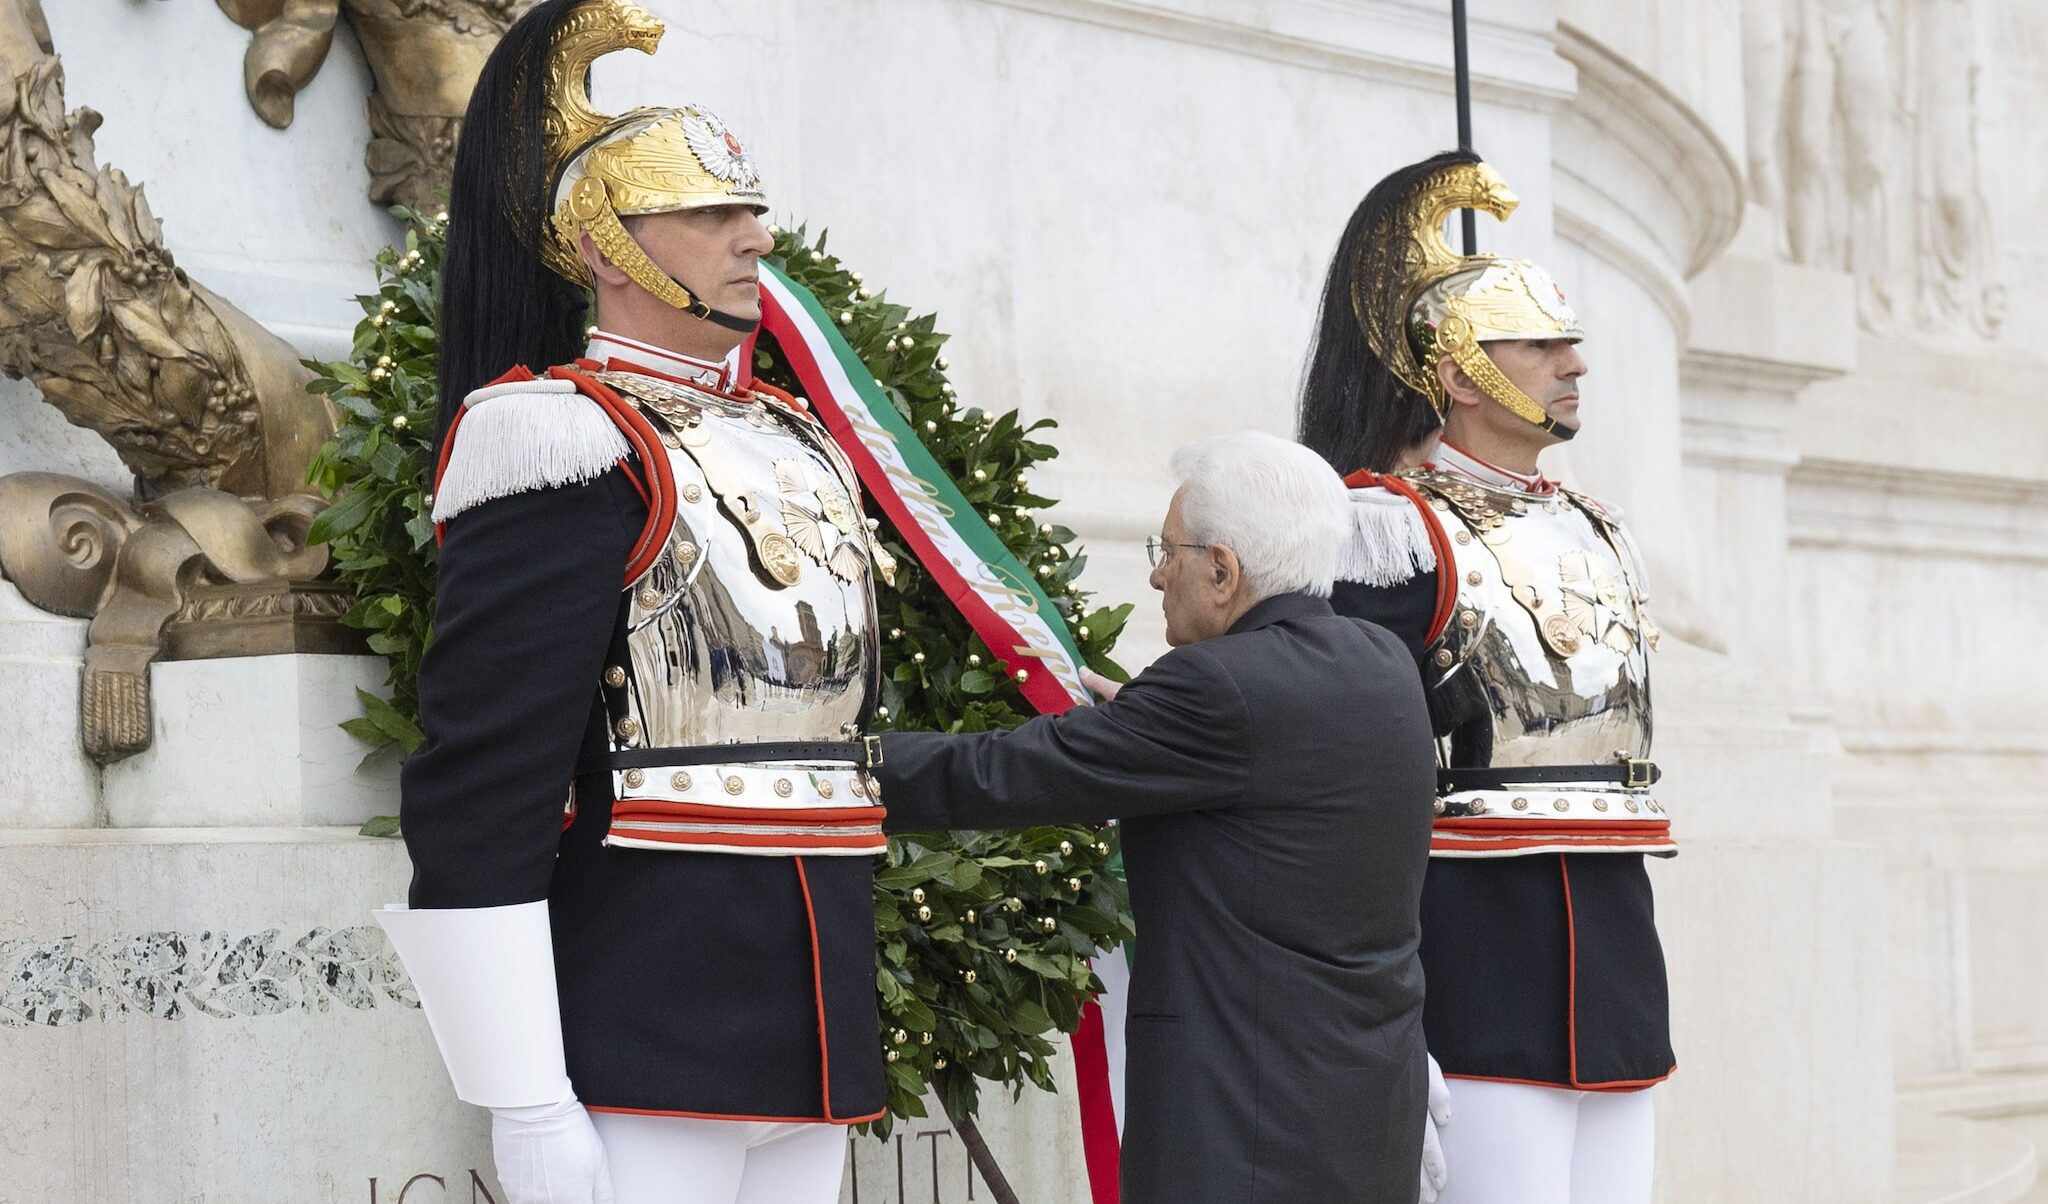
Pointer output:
1275, 503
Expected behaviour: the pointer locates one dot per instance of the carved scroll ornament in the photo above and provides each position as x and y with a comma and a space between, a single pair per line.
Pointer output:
190, 556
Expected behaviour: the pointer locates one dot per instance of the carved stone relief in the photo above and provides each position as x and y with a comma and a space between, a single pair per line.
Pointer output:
172, 975
1862, 125
424, 54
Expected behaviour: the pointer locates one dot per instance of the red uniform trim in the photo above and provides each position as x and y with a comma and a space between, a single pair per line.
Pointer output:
818, 993
1524, 844
1538, 486
876, 841
1561, 828
658, 809
724, 371
1439, 543
658, 491
1618, 1087
1571, 982
1572, 1002
615, 364
646, 443
1571, 1016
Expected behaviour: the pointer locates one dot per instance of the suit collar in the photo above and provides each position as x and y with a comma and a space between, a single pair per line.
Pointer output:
1278, 609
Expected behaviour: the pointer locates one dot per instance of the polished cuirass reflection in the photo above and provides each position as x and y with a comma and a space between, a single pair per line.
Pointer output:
1545, 660
757, 622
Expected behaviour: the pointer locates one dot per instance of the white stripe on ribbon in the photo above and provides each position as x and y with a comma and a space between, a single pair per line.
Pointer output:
1016, 607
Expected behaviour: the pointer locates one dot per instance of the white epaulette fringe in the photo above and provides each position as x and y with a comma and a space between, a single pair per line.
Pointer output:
525, 435
1389, 540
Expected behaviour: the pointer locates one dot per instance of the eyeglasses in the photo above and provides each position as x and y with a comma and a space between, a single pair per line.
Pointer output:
1159, 549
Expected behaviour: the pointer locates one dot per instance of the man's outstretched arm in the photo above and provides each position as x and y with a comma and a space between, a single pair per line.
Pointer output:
1177, 738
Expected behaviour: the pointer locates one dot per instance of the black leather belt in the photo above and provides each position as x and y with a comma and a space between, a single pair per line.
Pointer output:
865, 752
1632, 774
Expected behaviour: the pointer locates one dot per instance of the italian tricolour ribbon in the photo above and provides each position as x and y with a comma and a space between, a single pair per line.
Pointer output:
981, 576
950, 539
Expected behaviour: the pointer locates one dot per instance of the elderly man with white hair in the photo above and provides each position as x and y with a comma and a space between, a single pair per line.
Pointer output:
1274, 776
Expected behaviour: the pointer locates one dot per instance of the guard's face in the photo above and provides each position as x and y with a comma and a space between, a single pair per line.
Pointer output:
1547, 370
715, 251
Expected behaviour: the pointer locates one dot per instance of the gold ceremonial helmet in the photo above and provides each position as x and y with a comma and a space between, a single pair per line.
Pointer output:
1449, 304
649, 160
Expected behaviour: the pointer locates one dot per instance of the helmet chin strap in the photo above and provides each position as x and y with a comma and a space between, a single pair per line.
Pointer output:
697, 309
1454, 337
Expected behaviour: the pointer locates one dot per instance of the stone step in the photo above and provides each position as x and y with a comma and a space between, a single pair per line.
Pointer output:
2019, 1055
2022, 1091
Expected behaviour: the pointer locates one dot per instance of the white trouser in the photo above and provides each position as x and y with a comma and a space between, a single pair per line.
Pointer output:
684, 1160
1508, 1143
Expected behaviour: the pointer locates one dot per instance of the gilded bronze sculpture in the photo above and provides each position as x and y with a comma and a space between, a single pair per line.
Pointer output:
424, 55
207, 408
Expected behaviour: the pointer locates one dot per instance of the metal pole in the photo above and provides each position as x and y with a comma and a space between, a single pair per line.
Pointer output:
1462, 71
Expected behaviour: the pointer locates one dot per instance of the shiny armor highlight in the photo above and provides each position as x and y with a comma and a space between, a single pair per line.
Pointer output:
756, 623
1544, 662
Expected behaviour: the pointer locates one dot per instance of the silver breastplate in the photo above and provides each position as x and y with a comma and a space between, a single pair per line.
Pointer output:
1545, 660
757, 621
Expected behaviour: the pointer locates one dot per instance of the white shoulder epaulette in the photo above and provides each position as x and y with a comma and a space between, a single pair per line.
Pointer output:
1388, 542
525, 435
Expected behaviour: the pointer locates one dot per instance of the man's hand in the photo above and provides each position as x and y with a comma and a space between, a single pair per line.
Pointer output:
1104, 688
1434, 1173
549, 1154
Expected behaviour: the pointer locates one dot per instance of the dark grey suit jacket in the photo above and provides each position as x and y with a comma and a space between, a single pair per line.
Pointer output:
1275, 786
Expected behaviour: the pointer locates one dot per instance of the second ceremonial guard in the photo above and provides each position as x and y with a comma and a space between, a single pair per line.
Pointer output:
642, 824
1438, 378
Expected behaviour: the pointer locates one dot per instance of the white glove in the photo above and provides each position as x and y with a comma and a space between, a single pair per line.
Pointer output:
550, 1154
1434, 1173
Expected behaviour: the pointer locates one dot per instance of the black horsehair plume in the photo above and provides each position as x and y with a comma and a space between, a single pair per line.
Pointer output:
1355, 412
500, 304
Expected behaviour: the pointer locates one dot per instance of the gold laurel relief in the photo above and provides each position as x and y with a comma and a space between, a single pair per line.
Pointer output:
207, 408
425, 56
95, 312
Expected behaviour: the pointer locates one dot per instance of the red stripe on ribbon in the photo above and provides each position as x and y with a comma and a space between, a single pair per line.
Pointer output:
1042, 690
1099, 1142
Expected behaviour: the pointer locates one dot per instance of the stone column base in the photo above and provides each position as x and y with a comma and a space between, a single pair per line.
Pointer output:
254, 740
214, 1016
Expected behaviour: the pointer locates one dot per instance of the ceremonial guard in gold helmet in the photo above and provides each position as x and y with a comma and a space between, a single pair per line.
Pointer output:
642, 824
1435, 380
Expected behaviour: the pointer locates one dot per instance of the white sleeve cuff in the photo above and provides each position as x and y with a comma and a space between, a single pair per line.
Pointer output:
486, 980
